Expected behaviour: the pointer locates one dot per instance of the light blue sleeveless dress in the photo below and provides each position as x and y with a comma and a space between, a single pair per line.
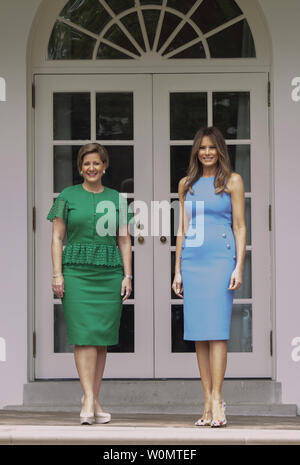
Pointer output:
207, 261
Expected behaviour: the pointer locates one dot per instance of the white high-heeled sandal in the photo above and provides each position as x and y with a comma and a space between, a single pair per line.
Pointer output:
201, 422
220, 423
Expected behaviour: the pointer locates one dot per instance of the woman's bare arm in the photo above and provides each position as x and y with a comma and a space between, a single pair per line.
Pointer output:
237, 192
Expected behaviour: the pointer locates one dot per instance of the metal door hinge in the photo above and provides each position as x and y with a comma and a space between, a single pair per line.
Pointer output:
34, 344
271, 343
270, 217
33, 218
269, 94
33, 96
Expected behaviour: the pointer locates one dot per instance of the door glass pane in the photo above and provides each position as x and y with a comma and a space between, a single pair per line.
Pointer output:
170, 22
196, 51
235, 41
179, 5
151, 18
173, 260
130, 203
60, 332
174, 218
65, 172
240, 162
151, 2
188, 112
132, 293
105, 52
241, 329
89, 14
185, 35
245, 291
117, 37
119, 175
178, 343
231, 114
248, 220
118, 6
67, 43
180, 157
131, 23
213, 13
71, 116
126, 333
114, 116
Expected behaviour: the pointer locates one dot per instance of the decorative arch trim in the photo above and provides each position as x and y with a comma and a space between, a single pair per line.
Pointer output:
48, 13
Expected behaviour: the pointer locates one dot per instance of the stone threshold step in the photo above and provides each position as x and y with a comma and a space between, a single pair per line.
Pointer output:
239, 409
174, 391
96, 435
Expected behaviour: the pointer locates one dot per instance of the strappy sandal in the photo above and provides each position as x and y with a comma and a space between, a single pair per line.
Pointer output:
201, 422
219, 423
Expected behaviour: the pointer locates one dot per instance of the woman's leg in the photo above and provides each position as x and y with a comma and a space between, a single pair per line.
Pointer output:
218, 362
203, 358
86, 361
100, 365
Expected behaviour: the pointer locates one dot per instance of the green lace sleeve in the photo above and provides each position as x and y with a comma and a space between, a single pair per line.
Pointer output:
60, 209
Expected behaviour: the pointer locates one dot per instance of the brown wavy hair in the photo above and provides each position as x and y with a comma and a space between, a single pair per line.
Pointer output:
92, 148
195, 169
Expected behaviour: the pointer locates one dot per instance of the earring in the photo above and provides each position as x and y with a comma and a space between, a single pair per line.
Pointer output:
103, 171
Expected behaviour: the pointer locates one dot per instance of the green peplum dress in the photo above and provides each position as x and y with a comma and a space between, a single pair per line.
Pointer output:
91, 263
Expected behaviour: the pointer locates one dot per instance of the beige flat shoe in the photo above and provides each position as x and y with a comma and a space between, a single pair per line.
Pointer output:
87, 419
101, 417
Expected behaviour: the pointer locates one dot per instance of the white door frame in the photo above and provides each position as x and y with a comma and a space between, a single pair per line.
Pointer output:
62, 365
247, 364
119, 365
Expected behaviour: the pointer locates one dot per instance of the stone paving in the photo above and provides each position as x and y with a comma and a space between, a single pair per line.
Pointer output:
64, 428
141, 420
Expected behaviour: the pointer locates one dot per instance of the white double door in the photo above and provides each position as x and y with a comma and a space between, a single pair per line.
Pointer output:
147, 123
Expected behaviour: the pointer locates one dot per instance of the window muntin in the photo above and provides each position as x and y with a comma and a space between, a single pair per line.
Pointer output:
169, 29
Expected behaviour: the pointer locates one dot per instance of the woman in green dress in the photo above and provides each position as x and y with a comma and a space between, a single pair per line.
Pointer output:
92, 275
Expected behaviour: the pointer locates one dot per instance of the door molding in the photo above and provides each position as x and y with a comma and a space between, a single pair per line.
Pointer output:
261, 267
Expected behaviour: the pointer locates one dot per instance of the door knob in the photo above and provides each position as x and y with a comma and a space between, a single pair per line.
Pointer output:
163, 239
141, 240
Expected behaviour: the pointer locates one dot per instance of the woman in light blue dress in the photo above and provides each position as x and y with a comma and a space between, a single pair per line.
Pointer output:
210, 254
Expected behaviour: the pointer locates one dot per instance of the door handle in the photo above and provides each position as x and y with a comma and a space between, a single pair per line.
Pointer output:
141, 240
163, 239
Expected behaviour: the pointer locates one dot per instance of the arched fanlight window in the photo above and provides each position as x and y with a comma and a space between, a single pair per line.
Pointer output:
134, 29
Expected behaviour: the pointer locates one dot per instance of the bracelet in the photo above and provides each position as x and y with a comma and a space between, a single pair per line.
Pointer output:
128, 276
57, 275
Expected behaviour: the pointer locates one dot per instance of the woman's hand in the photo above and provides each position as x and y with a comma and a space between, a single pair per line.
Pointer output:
126, 288
236, 279
177, 285
58, 286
